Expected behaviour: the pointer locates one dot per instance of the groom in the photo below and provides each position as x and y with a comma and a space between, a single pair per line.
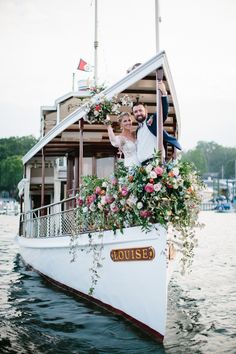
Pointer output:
147, 130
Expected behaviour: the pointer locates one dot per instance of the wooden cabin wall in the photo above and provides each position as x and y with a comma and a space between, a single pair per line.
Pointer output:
50, 120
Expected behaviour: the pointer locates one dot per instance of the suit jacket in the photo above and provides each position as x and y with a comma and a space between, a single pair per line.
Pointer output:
151, 122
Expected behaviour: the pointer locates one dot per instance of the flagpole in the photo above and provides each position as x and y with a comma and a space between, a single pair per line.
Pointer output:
96, 45
157, 20
158, 94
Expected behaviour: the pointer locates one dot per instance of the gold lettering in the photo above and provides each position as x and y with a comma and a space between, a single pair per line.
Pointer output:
133, 254
145, 254
138, 254
121, 255
115, 255
127, 257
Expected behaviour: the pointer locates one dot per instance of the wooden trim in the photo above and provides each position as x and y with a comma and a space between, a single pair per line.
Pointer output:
159, 117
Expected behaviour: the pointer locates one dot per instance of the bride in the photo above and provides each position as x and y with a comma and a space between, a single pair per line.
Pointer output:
126, 141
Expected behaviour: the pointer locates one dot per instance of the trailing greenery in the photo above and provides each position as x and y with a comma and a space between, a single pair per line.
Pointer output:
11, 169
168, 194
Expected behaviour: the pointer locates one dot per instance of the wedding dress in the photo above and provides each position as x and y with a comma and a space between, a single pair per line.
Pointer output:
129, 149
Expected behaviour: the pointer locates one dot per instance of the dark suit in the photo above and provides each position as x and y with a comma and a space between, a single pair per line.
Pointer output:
151, 122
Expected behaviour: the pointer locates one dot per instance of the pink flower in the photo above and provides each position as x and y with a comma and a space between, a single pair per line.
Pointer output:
113, 181
98, 190
145, 213
114, 208
79, 202
149, 188
91, 198
158, 170
124, 191
109, 199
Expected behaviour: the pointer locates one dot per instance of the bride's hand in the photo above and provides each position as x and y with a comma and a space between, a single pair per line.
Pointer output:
107, 121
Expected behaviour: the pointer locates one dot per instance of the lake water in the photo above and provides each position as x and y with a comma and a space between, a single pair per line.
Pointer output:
36, 317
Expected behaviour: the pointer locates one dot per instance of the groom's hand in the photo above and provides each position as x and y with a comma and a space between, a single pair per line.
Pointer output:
162, 88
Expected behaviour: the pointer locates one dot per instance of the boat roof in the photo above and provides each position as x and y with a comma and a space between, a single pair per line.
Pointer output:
140, 82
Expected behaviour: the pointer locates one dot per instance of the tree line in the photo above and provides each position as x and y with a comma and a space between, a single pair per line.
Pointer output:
11, 168
213, 159
208, 157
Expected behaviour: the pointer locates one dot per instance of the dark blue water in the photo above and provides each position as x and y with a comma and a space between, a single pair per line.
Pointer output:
36, 317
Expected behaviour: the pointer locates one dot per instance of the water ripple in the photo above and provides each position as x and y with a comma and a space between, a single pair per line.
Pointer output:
36, 317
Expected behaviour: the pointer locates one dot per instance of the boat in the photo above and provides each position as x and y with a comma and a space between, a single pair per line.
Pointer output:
121, 265
133, 278
224, 207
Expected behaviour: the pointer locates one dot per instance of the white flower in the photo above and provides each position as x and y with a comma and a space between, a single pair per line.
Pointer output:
175, 185
85, 209
92, 207
175, 171
121, 180
131, 200
104, 184
139, 205
126, 101
103, 200
153, 174
115, 108
100, 206
148, 168
157, 187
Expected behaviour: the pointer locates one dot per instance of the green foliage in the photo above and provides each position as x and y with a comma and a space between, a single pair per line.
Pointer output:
11, 169
168, 194
209, 157
11, 173
15, 146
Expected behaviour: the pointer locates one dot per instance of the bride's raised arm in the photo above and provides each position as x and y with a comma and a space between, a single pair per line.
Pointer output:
115, 140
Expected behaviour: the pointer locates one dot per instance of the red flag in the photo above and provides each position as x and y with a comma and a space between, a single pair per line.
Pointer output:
84, 66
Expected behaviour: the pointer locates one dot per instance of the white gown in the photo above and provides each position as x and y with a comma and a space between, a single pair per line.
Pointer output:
129, 149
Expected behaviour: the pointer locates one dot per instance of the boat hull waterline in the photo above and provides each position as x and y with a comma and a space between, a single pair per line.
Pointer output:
132, 279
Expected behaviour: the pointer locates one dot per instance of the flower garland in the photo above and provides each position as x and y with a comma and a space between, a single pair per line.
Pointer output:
165, 193
98, 109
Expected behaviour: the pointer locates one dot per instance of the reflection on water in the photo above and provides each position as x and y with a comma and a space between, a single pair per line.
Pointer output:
36, 317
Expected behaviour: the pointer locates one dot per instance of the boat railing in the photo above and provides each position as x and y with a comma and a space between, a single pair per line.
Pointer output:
208, 206
53, 220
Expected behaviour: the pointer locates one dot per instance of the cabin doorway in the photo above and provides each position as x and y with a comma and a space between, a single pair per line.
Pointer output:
36, 200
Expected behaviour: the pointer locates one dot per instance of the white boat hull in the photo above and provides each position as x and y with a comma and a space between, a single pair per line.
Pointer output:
134, 288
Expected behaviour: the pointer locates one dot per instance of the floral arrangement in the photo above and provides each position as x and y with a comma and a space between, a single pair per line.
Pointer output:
98, 109
165, 193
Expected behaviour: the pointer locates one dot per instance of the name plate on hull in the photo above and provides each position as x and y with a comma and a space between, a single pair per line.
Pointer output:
133, 254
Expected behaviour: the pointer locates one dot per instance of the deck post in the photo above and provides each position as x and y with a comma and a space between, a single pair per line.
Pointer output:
43, 180
81, 152
69, 174
76, 175
159, 76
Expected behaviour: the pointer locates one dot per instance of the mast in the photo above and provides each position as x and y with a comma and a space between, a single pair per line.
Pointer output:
96, 44
157, 20
159, 76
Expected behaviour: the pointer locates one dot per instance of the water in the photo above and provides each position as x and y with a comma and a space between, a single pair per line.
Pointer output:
36, 317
